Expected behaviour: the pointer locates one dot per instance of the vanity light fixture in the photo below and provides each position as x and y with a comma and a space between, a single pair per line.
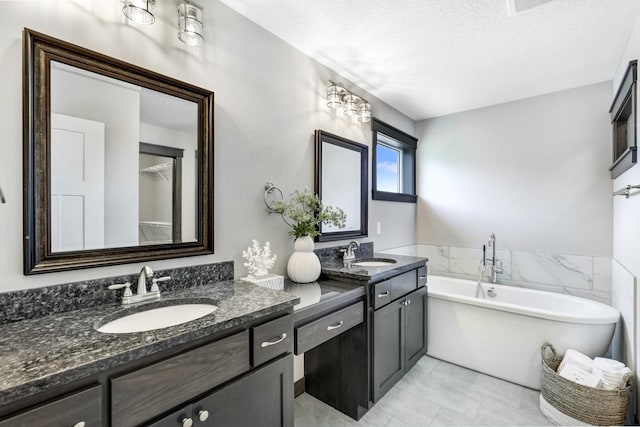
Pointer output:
364, 112
190, 26
334, 95
354, 106
139, 11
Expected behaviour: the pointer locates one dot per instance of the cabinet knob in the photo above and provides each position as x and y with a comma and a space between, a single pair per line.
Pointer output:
406, 302
203, 415
187, 422
80, 424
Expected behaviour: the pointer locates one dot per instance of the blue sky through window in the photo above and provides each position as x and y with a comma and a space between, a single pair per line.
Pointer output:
388, 169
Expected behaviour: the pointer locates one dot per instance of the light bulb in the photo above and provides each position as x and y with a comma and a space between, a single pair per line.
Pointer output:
139, 11
190, 26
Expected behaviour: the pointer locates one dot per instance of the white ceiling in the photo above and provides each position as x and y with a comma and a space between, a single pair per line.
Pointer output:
429, 58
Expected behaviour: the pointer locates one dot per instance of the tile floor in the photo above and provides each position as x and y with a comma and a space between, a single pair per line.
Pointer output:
436, 393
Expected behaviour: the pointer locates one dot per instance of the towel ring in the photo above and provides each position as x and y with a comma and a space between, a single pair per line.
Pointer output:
269, 188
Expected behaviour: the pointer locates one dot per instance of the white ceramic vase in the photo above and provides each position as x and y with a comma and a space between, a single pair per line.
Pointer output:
303, 265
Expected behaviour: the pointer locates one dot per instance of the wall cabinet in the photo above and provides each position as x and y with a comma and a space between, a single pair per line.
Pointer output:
399, 339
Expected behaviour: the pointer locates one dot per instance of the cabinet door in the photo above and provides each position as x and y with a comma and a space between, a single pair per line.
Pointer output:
388, 345
261, 398
415, 326
75, 409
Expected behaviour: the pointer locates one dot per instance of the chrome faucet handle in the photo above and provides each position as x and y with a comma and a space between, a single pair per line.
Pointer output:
126, 286
154, 282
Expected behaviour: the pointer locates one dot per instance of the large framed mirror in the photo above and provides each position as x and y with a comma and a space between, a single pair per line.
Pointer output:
341, 180
118, 161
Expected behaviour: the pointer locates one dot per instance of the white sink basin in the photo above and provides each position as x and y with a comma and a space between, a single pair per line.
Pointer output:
157, 318
374, 263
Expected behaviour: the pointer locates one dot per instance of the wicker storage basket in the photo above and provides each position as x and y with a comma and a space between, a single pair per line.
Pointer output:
590, 405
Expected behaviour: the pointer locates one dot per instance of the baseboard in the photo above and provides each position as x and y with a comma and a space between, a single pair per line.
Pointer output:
298, 387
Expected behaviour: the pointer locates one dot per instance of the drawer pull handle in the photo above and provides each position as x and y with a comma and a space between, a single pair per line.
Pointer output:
80, 424
384, 294
422, 277
186, 422
203, 415
336, 326
277, 341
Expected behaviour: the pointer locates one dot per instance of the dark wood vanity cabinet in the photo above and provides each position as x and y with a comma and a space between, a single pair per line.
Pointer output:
241, 379
353, 370
262, 397
399, 339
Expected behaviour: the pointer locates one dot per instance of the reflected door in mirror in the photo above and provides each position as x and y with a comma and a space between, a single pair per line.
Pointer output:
77, 183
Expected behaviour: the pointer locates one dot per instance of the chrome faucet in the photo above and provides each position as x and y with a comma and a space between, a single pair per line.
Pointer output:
142, 294
347, 253
496, 264
145, 272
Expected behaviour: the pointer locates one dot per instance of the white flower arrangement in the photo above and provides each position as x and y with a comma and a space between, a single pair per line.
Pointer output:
259, 260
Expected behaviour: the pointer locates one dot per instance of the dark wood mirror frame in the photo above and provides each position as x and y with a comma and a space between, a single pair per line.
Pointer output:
320, 137
39, 51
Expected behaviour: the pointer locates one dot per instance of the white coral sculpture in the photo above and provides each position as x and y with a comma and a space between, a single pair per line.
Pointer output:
259, 260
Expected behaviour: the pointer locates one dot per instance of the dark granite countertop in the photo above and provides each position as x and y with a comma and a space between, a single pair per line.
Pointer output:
337, 269
318, 297
42, 353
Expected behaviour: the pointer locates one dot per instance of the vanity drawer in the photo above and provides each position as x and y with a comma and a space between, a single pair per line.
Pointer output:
271, 339
422, 276
381, 294
315, 333
84, 406
147, 392
403, 284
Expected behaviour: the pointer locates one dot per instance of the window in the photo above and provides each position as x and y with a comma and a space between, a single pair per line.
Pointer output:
394, 164
623, 118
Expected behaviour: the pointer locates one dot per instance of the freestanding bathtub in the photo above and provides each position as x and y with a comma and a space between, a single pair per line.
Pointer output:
502, 335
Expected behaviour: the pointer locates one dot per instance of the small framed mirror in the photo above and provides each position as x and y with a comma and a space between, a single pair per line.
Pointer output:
341, 180
118, 161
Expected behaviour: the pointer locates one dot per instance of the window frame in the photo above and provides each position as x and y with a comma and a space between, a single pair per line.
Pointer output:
407, 146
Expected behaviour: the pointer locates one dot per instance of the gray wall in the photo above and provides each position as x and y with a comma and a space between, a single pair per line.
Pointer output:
534, 172
269, 98
626, 242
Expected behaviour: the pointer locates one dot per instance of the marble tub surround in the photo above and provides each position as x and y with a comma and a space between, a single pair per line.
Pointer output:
38, 302
583, 276
337, 268
42, 353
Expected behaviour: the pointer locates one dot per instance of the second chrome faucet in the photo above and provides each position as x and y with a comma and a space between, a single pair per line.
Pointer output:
496, 264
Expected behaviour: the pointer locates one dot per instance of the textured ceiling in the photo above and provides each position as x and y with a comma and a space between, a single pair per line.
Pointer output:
433, 57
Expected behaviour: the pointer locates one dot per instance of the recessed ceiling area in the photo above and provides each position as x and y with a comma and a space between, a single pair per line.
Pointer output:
429, 58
